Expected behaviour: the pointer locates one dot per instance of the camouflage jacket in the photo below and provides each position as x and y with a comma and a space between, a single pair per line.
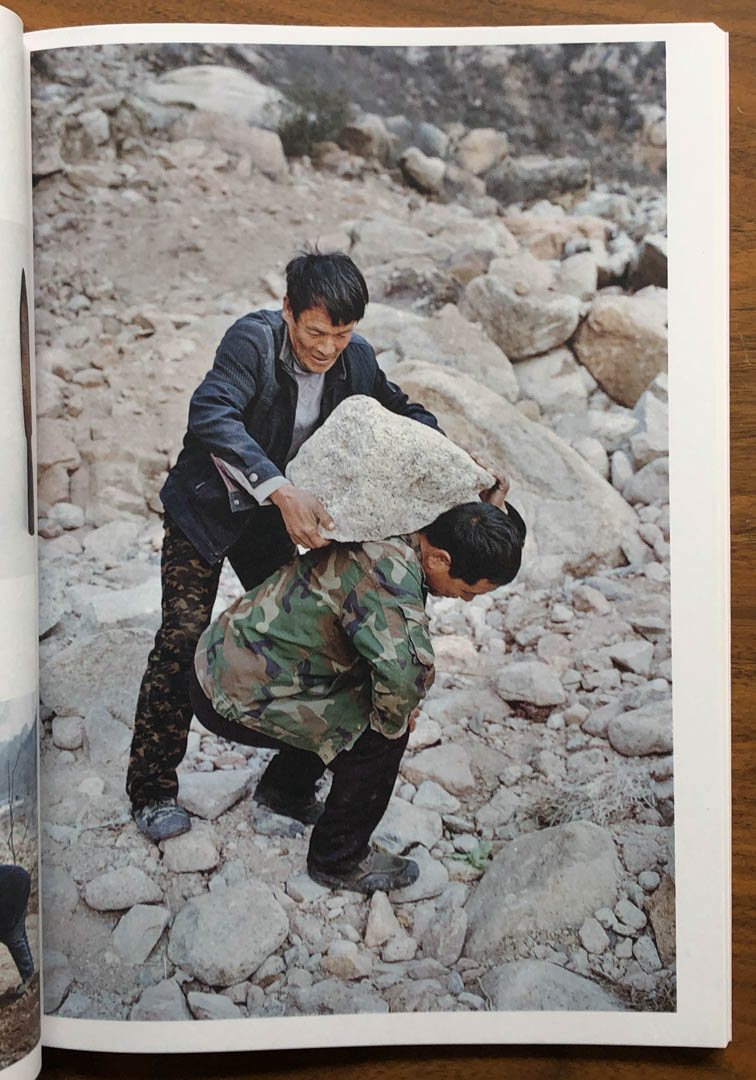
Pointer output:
333, 642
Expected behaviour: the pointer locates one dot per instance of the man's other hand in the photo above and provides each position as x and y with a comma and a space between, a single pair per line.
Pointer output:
496, 495
302, 513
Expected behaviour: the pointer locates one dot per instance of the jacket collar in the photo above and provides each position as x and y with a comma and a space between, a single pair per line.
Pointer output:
413, 539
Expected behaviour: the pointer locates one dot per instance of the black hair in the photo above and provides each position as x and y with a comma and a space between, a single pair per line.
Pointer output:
482, 540
328, 280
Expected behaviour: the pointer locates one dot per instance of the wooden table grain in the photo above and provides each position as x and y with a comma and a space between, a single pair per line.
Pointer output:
738, 1061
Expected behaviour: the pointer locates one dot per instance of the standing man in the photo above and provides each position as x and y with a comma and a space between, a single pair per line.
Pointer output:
15, 886
327, 662
277, 375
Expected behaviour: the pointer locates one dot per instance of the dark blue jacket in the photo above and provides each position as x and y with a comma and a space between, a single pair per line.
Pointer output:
15, 886
243, 412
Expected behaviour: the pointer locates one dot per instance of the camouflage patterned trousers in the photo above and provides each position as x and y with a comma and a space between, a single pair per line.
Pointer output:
163, 712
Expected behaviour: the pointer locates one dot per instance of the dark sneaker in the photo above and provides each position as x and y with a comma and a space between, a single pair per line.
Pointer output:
307, 810
378, 872
23, 987
161, 820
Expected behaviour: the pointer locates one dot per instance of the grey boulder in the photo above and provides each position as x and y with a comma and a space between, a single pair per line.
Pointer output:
381, 475
223, 939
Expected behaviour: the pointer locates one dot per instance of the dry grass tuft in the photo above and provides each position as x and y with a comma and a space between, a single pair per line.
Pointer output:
607, 799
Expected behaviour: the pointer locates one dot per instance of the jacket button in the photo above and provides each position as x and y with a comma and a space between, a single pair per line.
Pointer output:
253, 476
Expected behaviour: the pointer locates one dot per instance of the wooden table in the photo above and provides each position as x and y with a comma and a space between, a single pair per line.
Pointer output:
738, 17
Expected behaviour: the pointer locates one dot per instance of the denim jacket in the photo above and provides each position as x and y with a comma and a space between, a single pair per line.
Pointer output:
243, 412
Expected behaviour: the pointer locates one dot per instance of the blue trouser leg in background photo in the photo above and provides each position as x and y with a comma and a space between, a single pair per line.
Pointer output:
17, 943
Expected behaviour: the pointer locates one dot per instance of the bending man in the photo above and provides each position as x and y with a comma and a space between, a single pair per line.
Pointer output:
327, 661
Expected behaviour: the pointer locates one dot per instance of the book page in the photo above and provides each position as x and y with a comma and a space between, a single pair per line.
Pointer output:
19, 878
545, 253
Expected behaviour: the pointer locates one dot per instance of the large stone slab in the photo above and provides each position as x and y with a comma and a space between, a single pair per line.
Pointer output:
380, 475
576, 520
540, 986
547, 880
222, 939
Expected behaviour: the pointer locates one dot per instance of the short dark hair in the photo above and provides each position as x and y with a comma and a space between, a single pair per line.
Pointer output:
482, 540
328, 280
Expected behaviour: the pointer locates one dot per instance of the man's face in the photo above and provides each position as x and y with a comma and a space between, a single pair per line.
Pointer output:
316, 342
436, 562
446, 585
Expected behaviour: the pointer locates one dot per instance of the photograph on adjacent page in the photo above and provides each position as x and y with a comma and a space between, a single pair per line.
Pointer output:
424, 767
19, 885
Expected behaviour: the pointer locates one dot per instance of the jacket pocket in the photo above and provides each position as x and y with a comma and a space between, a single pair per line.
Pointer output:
419, 638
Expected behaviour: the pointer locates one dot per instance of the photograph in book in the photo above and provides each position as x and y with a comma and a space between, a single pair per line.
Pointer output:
19, 884
506, 206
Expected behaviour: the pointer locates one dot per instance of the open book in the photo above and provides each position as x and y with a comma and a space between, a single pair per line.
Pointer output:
541, 219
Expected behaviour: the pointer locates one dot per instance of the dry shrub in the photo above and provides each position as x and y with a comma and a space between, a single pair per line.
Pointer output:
614, 796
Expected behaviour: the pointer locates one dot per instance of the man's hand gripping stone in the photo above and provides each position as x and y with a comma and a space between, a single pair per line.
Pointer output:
302, 513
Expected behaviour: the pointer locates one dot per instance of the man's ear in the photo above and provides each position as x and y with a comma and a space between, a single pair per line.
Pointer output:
439, 559
288, 316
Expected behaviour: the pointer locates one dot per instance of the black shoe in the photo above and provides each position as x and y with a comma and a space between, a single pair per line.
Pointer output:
378, 872
161, 820
306, 810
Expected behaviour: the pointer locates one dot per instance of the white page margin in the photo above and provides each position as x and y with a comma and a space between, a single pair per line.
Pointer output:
697, 80
28, 1068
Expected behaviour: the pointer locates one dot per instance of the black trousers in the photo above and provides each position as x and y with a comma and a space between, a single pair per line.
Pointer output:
163, 712
363, 780
16, 941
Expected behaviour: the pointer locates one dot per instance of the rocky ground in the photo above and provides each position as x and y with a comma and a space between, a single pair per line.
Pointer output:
525, 304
